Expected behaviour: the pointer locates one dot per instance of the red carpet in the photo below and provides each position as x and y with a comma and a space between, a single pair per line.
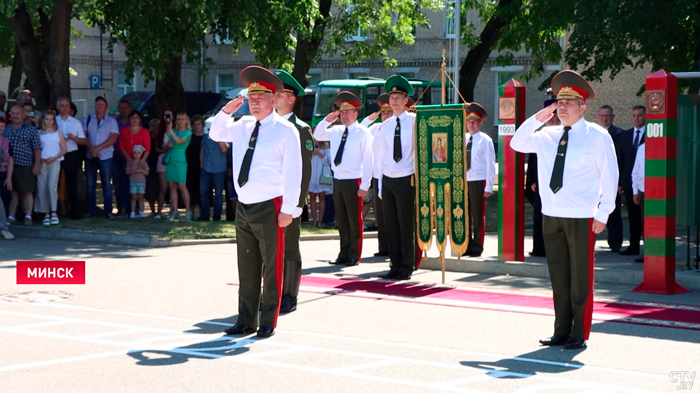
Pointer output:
625, 311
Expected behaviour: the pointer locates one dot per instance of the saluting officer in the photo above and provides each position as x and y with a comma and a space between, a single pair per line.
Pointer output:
286, 99
481, 173
395, 147
385, 112
267, 172
351, 153
578, 174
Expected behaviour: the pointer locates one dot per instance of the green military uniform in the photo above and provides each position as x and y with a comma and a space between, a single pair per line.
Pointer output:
292, 254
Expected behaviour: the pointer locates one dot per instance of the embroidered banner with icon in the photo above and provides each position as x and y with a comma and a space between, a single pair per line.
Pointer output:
441, 192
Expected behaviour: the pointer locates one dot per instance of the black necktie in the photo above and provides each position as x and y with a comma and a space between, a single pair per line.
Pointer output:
397, 141
636, 138
248, 158
557, 179
469, 153
339, 154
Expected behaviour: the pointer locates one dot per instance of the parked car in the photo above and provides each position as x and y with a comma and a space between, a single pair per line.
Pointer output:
198, 103
230, 95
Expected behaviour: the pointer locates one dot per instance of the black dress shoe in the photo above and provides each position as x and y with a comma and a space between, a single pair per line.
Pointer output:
615, 249
289, 304
381, 254
639, 260
554, 340
389, 276
537, 254
339, 261
402, 276
630, 251
575, 343
352, 262
266, 331
237, 330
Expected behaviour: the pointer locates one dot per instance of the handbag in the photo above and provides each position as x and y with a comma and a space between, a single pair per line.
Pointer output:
326, 179
166, 158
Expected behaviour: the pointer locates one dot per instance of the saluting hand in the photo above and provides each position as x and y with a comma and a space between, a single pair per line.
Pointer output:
547, 113
284, 219
374, 116
233, 105
333, 116
598, 227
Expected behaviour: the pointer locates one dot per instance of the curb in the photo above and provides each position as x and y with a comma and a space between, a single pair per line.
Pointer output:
137, 240
688, 279
119, 239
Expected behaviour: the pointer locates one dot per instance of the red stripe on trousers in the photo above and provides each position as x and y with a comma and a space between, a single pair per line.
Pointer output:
279, 258
588, 311
483, 219
361, 222
419, 257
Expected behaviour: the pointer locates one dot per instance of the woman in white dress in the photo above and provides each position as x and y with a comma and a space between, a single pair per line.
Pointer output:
321, 180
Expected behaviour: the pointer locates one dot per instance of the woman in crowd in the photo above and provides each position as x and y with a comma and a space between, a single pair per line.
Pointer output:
162, 147
176, 165
319, 183
6, 167
132, 136
153, 161
53, 148
192, 153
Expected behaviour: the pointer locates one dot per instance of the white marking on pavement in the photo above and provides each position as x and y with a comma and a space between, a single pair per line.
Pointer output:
379, 363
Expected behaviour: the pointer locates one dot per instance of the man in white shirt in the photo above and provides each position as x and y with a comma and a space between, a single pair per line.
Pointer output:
395, 147
352, 159
267, 170
72, 130
638, 183
292, 255
385, 112
481, 173
577, 171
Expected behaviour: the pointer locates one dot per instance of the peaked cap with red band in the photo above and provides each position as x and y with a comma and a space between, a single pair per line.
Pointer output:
475, 112
383, 102
570, 85
260, 80
347, 101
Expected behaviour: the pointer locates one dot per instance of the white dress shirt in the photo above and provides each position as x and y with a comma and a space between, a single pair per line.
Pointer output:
276, 166
638, 171
70, 125
590, 168
483, 165
384, 146
358, 159
373, 128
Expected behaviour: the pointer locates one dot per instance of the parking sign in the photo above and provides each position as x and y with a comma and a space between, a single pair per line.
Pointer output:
94, 81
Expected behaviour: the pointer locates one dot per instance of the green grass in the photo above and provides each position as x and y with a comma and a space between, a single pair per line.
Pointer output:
168, 230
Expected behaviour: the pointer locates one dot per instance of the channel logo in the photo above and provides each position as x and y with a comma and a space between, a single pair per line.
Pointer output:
50, 272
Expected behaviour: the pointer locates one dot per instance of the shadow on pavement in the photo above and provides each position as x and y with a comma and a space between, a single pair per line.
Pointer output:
547, 360
211, 349
40, 250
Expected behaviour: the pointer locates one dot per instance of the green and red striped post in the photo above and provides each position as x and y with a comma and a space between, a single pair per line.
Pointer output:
661, 101
511, 175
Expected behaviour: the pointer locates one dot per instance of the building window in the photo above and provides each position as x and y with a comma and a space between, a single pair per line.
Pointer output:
360, 35
224, 83
449, 20
355, 73
223, 41
123, 86
502, 75
314, 77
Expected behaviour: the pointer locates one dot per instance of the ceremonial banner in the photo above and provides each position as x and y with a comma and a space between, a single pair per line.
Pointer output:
441, 194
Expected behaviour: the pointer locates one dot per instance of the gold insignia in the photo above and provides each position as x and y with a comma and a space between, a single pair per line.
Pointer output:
393, 88
473, 116
440, 212
561, 154
655, 102
425, 210
562, 143
347, 106
567, 93
506, 108
458, 212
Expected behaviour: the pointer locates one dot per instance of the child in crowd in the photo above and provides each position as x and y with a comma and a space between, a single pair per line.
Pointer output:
137, 170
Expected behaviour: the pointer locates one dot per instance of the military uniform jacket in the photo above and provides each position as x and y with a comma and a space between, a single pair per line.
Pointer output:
307, 147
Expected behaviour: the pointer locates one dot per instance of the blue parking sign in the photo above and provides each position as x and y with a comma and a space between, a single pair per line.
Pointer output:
94, 81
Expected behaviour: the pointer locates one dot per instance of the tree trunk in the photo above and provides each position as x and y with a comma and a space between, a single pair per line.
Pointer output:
169, 91
34, 66
59, 60
477, 56
15, 73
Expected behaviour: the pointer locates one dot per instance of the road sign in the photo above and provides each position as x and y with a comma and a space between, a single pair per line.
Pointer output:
94, 81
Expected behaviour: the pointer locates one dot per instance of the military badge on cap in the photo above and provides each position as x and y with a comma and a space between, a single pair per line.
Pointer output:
346, 101
290, 84
383, 102
260, 80
569, 85
476, 112
398, 84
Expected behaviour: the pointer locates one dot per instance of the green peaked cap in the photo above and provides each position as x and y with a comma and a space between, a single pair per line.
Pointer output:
290, 83
398, 84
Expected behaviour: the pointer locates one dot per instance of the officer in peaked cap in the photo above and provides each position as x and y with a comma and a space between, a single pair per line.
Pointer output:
480, 175
286, 98
353, 159
267, 172
395, 148
578, 175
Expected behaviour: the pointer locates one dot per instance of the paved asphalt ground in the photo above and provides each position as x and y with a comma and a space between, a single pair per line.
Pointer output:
150, 320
